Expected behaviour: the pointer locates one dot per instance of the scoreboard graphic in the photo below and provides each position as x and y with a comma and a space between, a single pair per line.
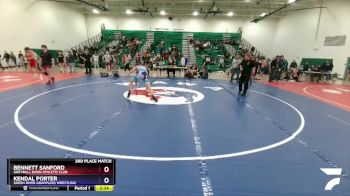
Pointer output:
81, 174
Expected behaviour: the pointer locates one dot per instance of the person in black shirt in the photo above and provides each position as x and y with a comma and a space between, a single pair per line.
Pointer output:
87, 61
246, 72
62, 62
7, 58
273, 70
46, 64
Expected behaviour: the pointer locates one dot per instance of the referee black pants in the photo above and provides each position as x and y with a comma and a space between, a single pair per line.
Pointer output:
243, 80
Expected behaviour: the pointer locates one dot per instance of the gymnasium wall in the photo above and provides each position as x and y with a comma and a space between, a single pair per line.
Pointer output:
295, 35
32, 23
261, 34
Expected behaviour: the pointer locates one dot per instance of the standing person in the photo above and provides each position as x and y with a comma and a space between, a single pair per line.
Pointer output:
46, 64
32, 59
81, 60
107, 59
21, 60
236, 62
87, 61
204, 70
95, 61
183, 61
71, 62
7, 58
329, 67
222, 62
13, 59
246, 73
264, 67
141, 75
273, 69
126, 60
62, 62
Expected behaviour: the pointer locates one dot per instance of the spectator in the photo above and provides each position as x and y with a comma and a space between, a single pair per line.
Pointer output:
293, 64
236, 62
62, 62
95, 60
273, 69
21, 60
183, 61
13, 59
222, 62
107, 60
204, 71
329, 68
71, 62
87, 61
7, 58
264, 67
126, 60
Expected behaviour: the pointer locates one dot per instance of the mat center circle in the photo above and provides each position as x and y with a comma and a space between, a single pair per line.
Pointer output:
166, 96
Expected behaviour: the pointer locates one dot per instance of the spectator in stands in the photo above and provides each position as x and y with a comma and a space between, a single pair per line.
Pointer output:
171, 62
282, 65
46, 64
107, 58
95, 61
246, 70
183, 61
329, 68
81, 60
21, 60
127, 62
13, 59
293, 64
6, 56
115, 60
203, 73
71, 62
264, 70
87, 61
138, 58
62, 62
222, 62
191, 72
273, 69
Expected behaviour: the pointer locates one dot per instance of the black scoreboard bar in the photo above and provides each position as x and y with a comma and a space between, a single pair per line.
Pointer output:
80, 174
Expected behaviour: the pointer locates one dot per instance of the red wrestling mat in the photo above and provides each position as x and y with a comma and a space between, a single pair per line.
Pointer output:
14, 80
336, 95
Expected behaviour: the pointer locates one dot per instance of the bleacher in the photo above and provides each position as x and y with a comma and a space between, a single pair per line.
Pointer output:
213, 52
169, 39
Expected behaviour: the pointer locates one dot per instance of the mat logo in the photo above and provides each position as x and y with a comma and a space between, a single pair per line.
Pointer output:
9, 78
332, 172
166, 96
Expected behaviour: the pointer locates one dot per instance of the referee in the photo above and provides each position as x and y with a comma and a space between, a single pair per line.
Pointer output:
246, 72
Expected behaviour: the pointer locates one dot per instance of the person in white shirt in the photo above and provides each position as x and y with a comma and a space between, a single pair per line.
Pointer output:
183, 61
95, 61
107, 58
235, 67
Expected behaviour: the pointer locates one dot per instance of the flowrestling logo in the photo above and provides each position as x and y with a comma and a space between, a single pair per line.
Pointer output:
335, 181
166, 96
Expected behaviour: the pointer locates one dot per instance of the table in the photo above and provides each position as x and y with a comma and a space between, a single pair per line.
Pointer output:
176, 68
312, 75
